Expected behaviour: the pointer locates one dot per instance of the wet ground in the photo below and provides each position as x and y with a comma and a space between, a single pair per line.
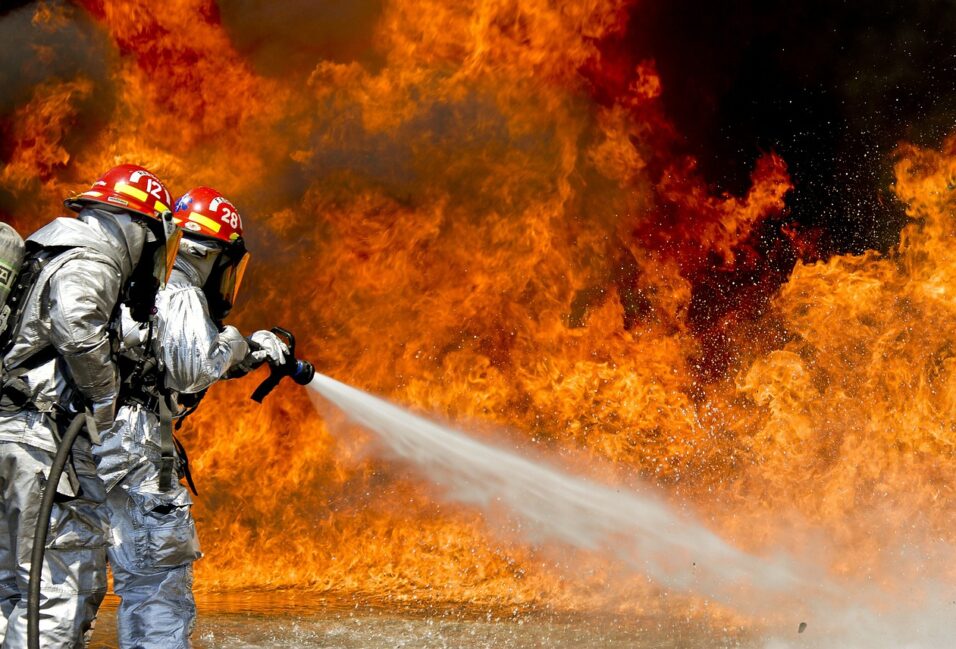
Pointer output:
260, 622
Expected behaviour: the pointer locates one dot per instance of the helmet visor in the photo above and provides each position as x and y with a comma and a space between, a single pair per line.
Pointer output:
172, 251
164, 256
231, 279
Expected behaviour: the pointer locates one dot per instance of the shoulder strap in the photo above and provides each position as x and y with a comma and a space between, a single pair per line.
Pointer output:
150, 373
13, 388
167, 461
37, 258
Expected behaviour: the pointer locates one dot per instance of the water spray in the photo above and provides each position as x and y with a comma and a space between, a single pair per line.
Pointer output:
641, 533
637, 529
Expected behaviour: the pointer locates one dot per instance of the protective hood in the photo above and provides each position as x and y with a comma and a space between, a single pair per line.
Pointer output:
194, 263
216, 268
113, 235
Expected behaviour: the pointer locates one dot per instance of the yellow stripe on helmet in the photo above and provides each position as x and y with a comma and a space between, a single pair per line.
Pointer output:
159, 207
129, 190
205, 220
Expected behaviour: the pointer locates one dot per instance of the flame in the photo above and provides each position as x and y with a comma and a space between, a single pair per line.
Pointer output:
38, 133
470, 223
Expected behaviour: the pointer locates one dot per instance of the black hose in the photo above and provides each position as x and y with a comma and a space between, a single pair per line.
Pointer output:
43, 528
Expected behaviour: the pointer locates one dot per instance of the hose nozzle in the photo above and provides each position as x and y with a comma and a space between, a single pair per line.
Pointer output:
300, 371
304, 372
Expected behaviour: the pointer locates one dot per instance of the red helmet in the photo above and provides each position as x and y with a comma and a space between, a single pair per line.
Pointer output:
139, 192
206, 212
129, 187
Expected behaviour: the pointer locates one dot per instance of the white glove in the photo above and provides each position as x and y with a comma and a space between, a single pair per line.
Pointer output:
132, 334
271, 348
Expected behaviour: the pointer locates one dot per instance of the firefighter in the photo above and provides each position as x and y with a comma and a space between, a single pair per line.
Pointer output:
59, 362
171, 364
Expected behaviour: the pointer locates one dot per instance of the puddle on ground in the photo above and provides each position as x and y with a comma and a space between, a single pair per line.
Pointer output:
270, 621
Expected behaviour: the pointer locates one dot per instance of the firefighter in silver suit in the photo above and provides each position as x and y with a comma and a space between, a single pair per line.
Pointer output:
60, 363
154, 535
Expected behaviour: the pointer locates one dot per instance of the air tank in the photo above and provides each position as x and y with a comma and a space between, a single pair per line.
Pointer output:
11, 258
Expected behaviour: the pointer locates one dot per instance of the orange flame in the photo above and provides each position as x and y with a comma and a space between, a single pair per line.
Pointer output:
461, 226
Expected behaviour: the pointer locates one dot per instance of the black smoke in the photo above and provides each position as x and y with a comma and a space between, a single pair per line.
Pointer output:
36, 49
831, 85
52, 42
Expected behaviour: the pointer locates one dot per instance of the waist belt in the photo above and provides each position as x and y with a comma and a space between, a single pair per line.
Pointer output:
15, 393
148, 401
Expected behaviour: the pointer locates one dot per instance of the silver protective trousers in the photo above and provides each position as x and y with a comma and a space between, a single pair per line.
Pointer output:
154, 540
74, 570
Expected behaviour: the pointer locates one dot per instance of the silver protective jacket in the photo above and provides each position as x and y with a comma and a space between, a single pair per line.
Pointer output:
70, 308
191, 348
193, 353
154, 541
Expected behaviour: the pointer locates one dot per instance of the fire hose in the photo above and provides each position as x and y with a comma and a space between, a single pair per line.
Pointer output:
300, 371
43, 528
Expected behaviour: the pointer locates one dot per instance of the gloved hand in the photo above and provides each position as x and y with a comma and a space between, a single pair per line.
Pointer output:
132, 333
267, 347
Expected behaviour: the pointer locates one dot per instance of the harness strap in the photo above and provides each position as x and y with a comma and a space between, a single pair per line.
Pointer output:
14, 389
184, 463
167, 461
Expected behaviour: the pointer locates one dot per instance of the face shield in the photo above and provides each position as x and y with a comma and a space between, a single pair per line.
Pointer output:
223, 266
222, 288
231, 278
173, 237
166, 248
158, 256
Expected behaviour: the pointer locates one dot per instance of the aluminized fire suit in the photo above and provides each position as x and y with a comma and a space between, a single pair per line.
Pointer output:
70, 308
154, 535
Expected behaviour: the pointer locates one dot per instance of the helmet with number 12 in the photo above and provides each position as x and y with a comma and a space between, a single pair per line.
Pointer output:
205, 214
136, 191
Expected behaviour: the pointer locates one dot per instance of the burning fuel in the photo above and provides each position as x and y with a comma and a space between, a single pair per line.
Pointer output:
490, 211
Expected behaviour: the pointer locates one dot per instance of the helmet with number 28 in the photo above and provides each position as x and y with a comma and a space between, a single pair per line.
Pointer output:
206, 215
205, 212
